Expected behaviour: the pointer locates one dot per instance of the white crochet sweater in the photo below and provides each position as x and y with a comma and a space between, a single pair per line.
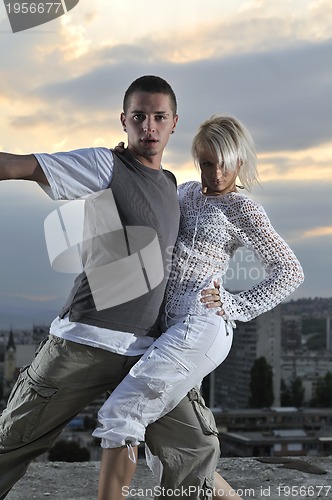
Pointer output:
211, 229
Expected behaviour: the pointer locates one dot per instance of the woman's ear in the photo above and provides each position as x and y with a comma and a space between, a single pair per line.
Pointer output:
240, 163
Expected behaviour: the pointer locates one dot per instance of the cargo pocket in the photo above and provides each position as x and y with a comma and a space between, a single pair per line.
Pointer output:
208, 489
41, 345
203, 413
21, 419
160, 371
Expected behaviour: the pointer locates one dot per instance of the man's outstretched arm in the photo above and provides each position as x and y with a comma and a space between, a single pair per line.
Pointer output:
21, 167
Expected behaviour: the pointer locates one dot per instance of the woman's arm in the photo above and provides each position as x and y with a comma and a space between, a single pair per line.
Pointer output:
284, 272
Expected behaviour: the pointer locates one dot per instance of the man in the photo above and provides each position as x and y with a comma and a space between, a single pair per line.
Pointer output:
91, 346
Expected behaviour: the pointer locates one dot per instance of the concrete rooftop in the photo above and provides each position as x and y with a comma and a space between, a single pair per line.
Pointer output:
249, 476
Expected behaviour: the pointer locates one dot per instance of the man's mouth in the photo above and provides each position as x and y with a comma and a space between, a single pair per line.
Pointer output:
149, 141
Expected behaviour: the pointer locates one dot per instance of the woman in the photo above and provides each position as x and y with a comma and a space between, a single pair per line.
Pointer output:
216, 220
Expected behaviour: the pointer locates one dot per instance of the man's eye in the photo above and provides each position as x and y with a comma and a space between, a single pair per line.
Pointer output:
160, 118
138, 117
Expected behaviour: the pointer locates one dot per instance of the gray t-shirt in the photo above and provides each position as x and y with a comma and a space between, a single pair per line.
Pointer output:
73, 175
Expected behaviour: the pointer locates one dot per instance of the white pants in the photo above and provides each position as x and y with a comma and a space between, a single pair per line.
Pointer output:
177, 361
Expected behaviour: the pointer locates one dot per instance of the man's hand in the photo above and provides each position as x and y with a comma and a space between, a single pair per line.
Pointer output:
211, 298
120, 148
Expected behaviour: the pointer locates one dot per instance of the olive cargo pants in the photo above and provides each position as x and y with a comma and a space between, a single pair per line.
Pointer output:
64, 378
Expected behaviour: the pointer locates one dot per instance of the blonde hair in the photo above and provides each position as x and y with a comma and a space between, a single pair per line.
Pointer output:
231, 143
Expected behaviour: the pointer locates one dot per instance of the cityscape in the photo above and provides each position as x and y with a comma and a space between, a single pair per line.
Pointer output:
272, 396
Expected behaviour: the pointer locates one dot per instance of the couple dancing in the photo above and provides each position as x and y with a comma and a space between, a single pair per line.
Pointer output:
91, 351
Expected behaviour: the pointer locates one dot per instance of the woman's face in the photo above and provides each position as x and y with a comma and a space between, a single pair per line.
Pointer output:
215, 180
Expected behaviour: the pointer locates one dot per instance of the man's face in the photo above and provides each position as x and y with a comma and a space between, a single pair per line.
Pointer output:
149, 121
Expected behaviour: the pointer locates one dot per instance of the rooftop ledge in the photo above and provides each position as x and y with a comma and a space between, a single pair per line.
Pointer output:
281, 478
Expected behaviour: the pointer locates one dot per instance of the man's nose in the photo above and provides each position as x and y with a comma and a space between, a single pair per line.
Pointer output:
149, 125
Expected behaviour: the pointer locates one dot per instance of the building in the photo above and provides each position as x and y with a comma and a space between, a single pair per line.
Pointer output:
307, 365
268, 419
291, 332
328, 333
260, 337
18, 354
9, 365
275, 432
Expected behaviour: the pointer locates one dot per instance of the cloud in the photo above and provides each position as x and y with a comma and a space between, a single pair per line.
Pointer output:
30, 297
256, 26
320, 18
286, 106
125, 53
40, 119
318, 231
271, 70
296, 208
306, 165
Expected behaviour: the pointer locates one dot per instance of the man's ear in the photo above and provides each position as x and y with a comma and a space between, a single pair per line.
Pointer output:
123, 121
175, 121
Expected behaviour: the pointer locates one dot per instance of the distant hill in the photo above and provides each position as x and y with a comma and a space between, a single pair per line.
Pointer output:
309, 308
28, 313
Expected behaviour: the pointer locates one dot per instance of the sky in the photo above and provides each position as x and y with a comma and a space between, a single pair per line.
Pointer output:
267, 63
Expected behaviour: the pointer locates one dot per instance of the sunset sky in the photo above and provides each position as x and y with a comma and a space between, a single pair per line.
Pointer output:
267, 63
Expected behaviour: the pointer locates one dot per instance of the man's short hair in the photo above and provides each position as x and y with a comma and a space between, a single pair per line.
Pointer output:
152, 84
